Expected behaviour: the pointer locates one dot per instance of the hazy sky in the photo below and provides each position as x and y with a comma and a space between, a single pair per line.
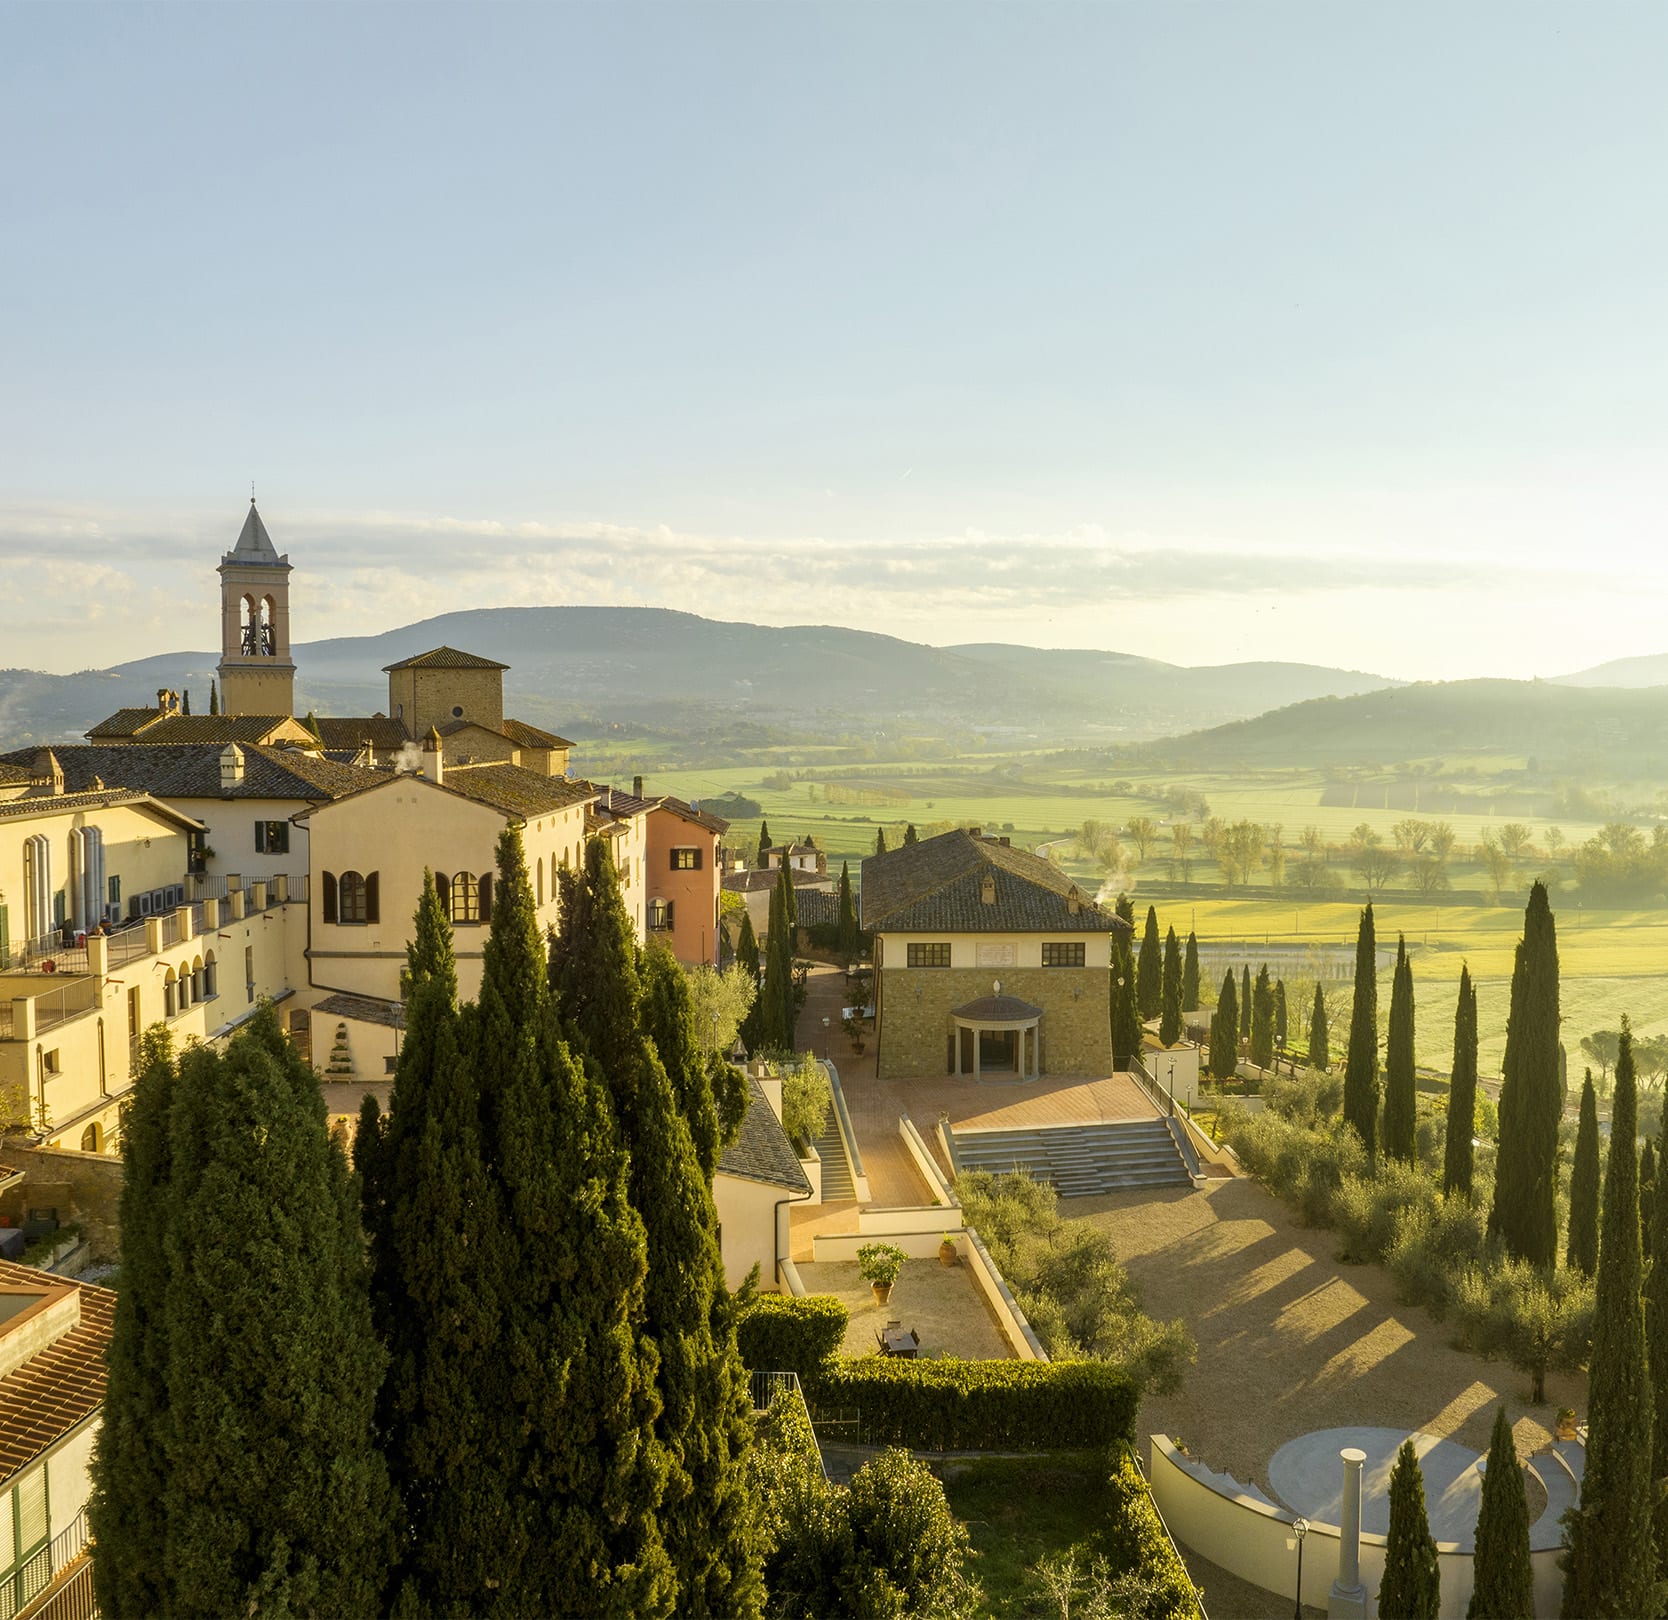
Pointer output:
1331, 332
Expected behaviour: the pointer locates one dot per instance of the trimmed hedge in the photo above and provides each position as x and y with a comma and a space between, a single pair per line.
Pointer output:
779, 1333
953, 1405
1136, 1541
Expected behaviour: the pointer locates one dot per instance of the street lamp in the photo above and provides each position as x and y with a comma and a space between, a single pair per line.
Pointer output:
1172, 1086
1300, 1528
825, 1037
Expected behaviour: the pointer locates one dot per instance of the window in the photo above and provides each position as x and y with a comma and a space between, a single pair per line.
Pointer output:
115, 891
936, 955
197, 980
92, 1139
660, 915
170, 995
52, 1062
355, 896
465, 897
686, 860
457, 711
210, 990
1062, 954
272, 838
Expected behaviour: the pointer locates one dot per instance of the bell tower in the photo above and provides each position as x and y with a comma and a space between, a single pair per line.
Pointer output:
256, 673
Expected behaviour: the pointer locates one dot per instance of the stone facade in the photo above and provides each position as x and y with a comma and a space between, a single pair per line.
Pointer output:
1075, 1032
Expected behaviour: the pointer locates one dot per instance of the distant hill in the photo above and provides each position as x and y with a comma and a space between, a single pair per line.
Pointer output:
1649, 670
669, 671
1561, 727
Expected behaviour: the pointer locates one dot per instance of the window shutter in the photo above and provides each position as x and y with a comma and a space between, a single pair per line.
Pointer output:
330, 897
371, 887
5, 937
31, 1510
260, 838
282, 828
486, 897
696, 852
669, 905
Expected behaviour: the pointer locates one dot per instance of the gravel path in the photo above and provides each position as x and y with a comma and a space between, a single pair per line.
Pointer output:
1290, 1340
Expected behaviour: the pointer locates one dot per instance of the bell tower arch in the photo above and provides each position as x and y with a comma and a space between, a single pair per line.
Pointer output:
256, 673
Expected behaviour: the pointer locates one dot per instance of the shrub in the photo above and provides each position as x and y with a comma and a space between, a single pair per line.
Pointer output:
1369, 1208
1311, 1098
1161, 1588
778, 1333
906, 1541
806, 1100
1430, 1245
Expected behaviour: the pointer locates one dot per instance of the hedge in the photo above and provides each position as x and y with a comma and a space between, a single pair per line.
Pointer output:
779, 1333
953, 1405
1137, 1541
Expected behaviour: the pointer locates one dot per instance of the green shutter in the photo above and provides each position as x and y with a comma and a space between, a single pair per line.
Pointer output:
5, 937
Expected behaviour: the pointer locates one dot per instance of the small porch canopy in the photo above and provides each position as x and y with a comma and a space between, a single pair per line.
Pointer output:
1001, 1034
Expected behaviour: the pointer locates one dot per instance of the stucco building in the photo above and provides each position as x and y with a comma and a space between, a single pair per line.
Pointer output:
987, 959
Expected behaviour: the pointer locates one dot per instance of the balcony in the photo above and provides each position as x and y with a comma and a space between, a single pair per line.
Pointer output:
57, 1583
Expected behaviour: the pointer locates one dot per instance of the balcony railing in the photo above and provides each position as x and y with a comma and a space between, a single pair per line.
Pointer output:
35, 1576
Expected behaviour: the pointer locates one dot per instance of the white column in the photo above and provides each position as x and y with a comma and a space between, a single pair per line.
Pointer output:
1348, 1598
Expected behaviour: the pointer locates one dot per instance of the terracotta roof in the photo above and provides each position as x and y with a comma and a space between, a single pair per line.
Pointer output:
124, 722
349, 731
997, 1010
10, 774
762, 878
938, 886
364, 1010
192, 771
761, 1150
42, 803
817, 907
54, 1391
689, 812
516, 789
192, 728
445, 658
526, 736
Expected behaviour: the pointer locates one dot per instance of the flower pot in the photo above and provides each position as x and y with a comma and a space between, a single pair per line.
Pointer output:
882, 1292
1566, 1426
946, 1253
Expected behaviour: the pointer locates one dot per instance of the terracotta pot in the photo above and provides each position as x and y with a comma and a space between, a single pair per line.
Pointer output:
882, 1292
946, 1253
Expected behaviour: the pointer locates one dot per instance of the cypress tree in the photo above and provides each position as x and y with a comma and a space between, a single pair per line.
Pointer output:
1319, 1056
1149, 969
1245, 1002
1582, 1252
775, 1035
1361, 1067
1462, 1092
1503, 1582
1224, 1037
1411, 1589
1400, 1096
1170, 1003
1280, 1025
1607, 1572
1262, 1020
1647, 1196
1524, 1213
880, 840
1126, 1015
185, 706
848, 914
752, 1033
1190, 974
276, 1499
1656, 1358
910, 835
214, 697
130, 1469
706, 1515
763, 856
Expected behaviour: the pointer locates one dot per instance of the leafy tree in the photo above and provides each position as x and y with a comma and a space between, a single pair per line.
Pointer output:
1170, 1008
848, 914
1149, 969
1462, 1092
1600, 1046
880, 840
1319, 1056
1125, 908
1582, 1252
1126, 1014
1224, 1031
1181, 846
1262, 1020
1190, 974
1281, 1026
806, 1099
1245, 1002
752, 1033
910, 835
214, 697
763, 857
1605, 1574
275, 1499
1503, 1581
1411, 1588
1400, 1094
1361, 1065
1524, 1212
706, 1514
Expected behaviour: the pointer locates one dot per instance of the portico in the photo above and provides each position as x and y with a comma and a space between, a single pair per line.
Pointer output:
997, 1034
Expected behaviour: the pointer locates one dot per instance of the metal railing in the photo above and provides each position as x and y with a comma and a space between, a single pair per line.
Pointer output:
770, 1387
37, 1574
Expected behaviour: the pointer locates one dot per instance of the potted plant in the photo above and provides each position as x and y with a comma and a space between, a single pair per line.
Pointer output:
1564, 1423
879, 1265
947, 1251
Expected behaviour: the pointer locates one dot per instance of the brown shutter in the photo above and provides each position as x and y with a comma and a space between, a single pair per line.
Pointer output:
486, 897
260, 838
371, 887
443, 887
330, 897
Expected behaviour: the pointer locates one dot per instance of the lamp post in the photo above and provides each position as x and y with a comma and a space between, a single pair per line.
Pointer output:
1170, 1080
1300, 1528
825, 1037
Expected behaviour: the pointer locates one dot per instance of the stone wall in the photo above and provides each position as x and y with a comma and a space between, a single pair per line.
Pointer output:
1075, 1033
85, 1188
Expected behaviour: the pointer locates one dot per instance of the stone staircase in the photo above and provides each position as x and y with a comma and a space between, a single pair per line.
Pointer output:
1078, 1160
837, 1184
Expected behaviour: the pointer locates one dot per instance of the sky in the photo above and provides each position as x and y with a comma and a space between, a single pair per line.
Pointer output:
1206, 332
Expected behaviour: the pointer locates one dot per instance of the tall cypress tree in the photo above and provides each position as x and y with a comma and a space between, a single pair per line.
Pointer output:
276, 1497
1524, 1212
848, 913
1170, 1000
1582, 1251
1190, 974
1262, 1020
1319, 1056
763, 856
185, 703
1608, 1571
1245, 1002
706, 1514
1400, 1095
1361, 1066
1224, 1033
777, 1033
1126, 1014
1411, 1589
130, 1468
214, 697
1656, 1358
1503, 1580
880, 840
1280, 1024
1647, 1195
1149, 969
910, 835
752, 1034
1462, 1092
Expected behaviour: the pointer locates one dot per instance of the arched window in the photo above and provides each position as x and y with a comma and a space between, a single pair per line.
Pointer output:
269, 628
210, 985
170, 994
466, 898
184, 986
541, 880
197, 979
356, 897
92, 1139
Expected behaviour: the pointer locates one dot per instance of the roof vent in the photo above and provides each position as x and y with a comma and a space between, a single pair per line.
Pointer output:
987, 890
231, 767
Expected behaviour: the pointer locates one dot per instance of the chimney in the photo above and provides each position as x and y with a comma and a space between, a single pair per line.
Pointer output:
1074, 900
162, 699
987, 889
231, 767
433, 767
975, 832
48, 773
637, 787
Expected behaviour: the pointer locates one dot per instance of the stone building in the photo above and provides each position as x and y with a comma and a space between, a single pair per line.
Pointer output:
987, 960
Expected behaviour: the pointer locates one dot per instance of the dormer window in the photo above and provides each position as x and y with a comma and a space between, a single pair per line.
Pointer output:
987, 890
